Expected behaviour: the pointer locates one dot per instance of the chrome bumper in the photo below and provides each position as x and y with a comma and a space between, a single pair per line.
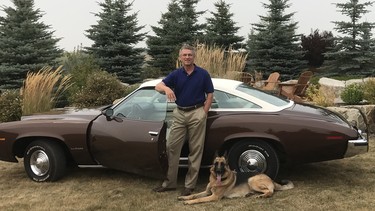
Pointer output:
356, 147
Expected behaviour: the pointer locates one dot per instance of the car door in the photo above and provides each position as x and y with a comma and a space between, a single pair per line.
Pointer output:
134, 139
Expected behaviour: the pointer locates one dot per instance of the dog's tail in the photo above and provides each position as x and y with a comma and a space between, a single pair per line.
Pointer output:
286, 185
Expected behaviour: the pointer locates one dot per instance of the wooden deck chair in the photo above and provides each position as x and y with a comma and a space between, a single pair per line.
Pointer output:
296, 91
272, 82
246, 78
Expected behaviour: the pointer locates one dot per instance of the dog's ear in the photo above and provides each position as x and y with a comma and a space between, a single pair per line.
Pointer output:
216, 154
225, 155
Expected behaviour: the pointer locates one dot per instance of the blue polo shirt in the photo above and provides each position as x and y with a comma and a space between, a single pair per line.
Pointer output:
189, 89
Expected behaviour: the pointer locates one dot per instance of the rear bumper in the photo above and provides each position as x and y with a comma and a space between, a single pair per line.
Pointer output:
356, 147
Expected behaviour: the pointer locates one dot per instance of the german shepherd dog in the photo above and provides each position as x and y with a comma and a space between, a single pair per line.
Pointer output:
222, 184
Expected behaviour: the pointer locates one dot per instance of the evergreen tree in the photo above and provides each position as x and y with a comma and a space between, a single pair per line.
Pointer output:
273, 44
221, 29
352, 53
115, 36
192, 31
368, 49
163, 47
26, 43
177, 26
315, 45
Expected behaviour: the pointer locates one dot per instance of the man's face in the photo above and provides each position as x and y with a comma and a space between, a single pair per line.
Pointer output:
187, 57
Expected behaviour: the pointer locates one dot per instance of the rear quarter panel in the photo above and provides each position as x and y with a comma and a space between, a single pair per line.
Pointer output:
303, 139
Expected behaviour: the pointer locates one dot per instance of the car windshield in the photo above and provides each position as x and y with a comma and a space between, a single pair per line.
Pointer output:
144, 104
272, 99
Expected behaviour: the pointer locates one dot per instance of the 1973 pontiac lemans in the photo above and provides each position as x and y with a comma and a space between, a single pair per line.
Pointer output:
258, 131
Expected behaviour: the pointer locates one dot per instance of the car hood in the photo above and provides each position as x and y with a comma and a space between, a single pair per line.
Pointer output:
65, 114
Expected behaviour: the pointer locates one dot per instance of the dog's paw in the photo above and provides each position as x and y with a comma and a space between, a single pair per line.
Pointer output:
186, 203
181, 198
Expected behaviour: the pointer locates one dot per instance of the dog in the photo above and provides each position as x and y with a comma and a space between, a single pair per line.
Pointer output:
222, 184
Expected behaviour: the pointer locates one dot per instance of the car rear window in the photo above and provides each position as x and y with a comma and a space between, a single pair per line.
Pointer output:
269, 98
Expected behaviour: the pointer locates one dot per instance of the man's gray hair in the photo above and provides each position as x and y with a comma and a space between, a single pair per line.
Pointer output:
188, 47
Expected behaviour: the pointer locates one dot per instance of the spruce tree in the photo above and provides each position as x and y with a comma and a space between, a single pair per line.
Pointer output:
353, 53
177, 26
192, 31
221, 30
115, 36
273, 44
163, 47
26, 43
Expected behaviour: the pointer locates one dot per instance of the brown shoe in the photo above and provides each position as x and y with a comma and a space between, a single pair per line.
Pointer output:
161, 189
187, 191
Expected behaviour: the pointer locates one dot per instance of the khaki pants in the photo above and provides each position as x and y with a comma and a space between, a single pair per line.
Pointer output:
192, 123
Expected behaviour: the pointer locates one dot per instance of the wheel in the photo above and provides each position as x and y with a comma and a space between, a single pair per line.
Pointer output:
44, 161
254, 157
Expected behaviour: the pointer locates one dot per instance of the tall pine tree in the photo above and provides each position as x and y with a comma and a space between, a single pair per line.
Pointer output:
26, 43
353, 53
115, 36
221, 30
163, 47
192, 30
273, 44
177, 26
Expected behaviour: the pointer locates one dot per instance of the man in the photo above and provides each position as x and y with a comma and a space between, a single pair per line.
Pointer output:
191, 88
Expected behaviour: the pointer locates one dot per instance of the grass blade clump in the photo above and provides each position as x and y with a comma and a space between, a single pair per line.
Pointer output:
42, 89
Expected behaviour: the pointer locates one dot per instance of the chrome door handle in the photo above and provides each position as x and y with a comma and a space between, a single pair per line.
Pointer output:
153, 133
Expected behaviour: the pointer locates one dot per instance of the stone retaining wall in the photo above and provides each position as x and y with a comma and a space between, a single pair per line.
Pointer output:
353, 113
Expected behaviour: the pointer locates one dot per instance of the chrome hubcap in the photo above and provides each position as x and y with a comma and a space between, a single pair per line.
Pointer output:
39, 163
252, 161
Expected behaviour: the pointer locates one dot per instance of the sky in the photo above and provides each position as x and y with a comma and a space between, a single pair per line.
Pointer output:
71, 18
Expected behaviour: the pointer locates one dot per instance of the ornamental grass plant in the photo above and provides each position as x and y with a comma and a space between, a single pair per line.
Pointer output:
42, 89
220, 63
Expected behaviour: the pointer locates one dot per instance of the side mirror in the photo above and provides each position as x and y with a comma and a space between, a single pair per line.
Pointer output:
108, 112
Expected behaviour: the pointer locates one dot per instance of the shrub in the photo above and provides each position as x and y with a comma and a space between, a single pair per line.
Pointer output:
369, 90
150, 72
79, 65
352, 94
319, 96
10, 106
101, 88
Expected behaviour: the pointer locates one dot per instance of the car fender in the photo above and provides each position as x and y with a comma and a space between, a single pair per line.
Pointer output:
228, 141
72, 138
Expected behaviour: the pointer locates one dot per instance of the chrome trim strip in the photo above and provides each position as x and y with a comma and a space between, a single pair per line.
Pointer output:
91, 166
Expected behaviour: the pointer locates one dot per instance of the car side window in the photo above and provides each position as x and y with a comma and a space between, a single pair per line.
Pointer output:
144, 104
226, 100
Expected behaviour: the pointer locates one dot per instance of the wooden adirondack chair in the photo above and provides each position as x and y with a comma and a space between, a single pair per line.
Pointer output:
272, 82
296, 91
247, 78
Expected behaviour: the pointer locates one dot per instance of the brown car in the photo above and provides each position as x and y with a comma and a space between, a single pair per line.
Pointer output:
258, 131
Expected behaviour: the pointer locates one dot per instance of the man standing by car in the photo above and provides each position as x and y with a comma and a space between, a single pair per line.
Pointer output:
191, 88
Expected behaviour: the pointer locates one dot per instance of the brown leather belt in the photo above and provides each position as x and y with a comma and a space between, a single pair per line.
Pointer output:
190, 108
